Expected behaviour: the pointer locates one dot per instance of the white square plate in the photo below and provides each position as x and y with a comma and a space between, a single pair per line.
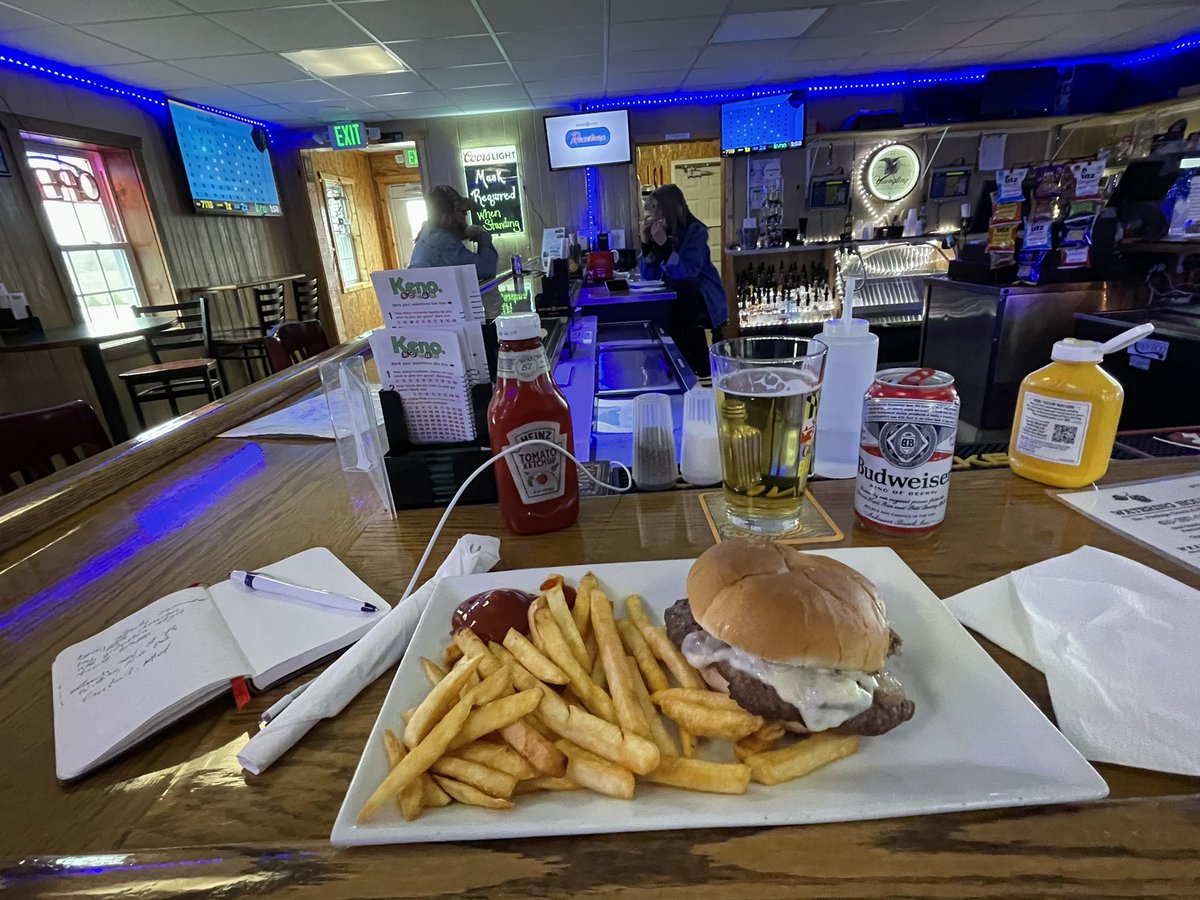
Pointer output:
975, 742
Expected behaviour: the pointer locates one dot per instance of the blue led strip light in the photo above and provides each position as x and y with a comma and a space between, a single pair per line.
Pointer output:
593, 202
82, 78
883, 81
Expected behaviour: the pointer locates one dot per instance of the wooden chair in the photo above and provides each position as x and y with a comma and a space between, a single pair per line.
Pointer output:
292, 342
308, 300
248, 344
31, 441
170, 379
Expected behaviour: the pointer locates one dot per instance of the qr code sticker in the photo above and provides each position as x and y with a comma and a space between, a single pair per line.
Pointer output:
1064, 434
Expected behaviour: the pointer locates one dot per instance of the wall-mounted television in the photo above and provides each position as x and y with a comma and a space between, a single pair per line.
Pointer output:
764, 123
227, 162
588, 139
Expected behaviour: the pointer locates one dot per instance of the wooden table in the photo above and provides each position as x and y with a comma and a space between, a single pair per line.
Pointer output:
88, 337
177, 817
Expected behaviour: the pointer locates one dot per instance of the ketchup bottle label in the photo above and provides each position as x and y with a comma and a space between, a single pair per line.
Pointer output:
538, 472
523, 365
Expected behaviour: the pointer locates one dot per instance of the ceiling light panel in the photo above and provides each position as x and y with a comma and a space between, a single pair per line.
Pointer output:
368, 59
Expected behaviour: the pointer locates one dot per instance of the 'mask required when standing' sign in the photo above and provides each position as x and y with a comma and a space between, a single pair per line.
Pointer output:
492, 182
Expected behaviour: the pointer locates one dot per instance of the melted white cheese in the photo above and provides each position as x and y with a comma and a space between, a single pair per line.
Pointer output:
825, 697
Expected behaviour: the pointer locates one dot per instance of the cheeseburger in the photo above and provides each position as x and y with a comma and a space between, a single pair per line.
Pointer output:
791, 637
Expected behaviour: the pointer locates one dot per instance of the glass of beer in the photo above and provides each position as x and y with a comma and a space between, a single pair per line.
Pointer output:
767, 390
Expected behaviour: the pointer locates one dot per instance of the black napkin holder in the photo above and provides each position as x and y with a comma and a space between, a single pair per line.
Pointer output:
10, 324
425, 475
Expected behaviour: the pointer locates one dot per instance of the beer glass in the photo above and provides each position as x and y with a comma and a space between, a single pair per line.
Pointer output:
767, 389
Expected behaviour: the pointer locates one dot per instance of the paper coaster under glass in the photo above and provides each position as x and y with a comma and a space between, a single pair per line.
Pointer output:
815, 525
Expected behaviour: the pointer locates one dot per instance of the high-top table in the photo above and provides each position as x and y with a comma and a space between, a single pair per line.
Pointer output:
88, 337
177, 817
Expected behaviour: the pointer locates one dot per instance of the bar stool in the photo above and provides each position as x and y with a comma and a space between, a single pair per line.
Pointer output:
174, 378
248, 344
294, 342
308, 300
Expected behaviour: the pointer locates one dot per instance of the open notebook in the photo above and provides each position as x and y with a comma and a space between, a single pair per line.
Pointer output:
136, 677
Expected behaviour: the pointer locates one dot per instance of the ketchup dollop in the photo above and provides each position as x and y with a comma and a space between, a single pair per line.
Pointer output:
568, 591
491, 613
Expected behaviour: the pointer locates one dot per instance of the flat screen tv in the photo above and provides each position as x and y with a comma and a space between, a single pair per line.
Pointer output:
588, 139
227, 163
764, 123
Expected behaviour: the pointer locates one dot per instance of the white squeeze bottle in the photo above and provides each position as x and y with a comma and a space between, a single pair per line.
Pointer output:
850, 365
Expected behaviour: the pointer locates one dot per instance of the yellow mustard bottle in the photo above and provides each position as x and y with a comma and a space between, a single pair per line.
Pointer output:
1067, 414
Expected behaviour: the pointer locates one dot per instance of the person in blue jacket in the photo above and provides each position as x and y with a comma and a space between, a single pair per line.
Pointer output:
440, 242
675, 249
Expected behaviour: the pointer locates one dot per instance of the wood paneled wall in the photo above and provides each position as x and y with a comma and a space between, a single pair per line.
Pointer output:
654, 160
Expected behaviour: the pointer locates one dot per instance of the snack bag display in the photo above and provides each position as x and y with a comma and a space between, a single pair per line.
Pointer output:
1010, 184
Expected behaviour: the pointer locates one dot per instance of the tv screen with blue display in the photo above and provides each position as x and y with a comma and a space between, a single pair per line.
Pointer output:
764, 123
588, 139
227, 162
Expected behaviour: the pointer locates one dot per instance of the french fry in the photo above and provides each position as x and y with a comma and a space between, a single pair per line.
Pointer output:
556, 648
419, 759
451, 655
433, 671
672, 658
438, 701
556, 602
523, 679
636, 612
733, 724
469, 643
524, 651
597, 674
607, 740
658, 731
432, 796
464, 793
534, 637
394, 749
635, 643
589, 644
491, 781
787, 763
595, 772
770, 732
496, 716
748, 746
546, 783
701, 775
616, 671
687, 741
497, 756
408, 714
536, 723
496, 685
539, 751
408, 799
583, 604
711, 699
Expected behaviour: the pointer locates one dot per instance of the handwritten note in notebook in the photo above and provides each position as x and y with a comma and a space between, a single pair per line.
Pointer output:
139, 675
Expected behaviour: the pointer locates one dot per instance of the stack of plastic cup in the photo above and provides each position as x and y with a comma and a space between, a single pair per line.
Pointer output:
654, 466
701, 460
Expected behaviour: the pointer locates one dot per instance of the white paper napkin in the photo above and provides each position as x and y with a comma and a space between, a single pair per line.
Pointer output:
377, 651
1117, 642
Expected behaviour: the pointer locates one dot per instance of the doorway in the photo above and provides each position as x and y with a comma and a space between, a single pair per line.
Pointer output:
406, 203
700, 181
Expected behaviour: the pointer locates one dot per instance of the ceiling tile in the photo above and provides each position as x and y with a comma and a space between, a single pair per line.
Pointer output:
12, 19
703, 79
374, 85
306, 28
651, 60
624, 37
957, 55
835, 47
340, 108
70, 46
547, 43
856, 18
252, 68
1114, 22
224, 97
265, 111
926, 37
640, 10
410, 100
482, 107
761, 26
177, 37
207, 6
546, 69
752, 54
1020, 28
405, 20
565, 87
470, 76
891, 62
74, 12
293, 91
794, 71
957, 11
645, 82
437, 53
1087, 6
737, 6
156, 75
489, 94
516, 14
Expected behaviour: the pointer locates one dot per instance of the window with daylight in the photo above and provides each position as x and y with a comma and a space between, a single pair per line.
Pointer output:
343, 227
86, 224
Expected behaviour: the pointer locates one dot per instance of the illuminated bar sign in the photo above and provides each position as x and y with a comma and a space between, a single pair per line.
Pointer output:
347, 135
492, 182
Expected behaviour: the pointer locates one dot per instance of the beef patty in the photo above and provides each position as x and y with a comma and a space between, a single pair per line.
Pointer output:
889, 707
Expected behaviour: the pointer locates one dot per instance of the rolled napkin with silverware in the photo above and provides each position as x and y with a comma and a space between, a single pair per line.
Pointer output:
381, 648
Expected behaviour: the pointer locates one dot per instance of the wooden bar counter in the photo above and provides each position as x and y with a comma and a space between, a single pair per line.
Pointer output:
178, 817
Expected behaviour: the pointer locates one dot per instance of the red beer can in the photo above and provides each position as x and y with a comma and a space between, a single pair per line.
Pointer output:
910, 420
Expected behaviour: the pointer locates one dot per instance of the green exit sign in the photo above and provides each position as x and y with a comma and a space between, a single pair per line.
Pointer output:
410, 157
347, 135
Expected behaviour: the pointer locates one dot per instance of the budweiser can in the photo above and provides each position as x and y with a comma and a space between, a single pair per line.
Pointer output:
910, 419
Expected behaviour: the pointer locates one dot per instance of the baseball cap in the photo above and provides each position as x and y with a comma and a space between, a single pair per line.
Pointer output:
443, 199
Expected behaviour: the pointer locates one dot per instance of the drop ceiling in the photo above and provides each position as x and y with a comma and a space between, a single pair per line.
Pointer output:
472, 56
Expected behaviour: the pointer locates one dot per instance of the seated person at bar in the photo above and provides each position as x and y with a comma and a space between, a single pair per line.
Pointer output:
440, 242
675, 249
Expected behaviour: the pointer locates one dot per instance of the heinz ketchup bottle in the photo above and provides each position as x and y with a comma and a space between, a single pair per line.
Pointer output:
538, 487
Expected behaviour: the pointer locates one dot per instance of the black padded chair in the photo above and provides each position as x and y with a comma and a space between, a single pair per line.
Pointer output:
294, 342
34, 440
308, 299
170, 379
248, 344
